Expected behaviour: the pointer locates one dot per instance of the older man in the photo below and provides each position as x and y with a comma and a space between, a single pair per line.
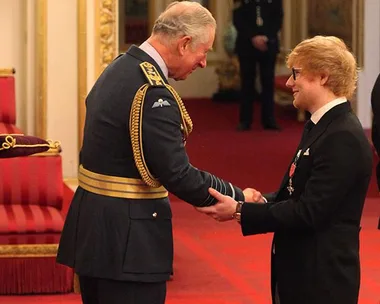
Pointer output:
118, 232
315, 213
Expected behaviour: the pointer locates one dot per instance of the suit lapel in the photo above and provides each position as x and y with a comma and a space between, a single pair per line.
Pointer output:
316, 132
142, 56
325, 121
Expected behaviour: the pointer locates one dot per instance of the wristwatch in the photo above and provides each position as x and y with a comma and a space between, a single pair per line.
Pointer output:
237, 213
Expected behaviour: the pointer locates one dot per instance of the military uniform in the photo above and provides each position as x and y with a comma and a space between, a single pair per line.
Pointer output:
252, 18
119, 223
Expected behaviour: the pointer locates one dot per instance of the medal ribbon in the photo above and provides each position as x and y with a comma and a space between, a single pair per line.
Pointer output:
293, 166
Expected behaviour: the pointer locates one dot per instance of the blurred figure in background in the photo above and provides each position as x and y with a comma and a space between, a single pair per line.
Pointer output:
258, 23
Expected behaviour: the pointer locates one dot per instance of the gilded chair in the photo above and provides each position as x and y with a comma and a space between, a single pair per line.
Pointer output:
31, 197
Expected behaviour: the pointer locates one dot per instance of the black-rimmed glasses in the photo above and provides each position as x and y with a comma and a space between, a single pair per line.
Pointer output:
295, 72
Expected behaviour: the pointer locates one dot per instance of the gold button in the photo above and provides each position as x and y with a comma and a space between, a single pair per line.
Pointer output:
154, 214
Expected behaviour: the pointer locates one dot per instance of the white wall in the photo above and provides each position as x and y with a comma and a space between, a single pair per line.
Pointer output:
371, 66
6, 36
17, 36
13, 42
62, 83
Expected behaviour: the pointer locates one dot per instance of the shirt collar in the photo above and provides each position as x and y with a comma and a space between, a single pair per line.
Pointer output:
152, 52
317, 115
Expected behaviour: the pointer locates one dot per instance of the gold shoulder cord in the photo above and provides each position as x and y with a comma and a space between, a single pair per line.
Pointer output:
136, 118
186, 120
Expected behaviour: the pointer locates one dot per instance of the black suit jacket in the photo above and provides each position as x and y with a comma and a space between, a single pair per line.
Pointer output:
316, 229
118, 238
375, 103
244, 20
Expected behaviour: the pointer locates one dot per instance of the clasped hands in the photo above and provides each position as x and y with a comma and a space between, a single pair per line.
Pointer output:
260, 42
224, 209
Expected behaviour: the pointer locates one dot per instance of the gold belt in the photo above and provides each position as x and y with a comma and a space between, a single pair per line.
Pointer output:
117, 186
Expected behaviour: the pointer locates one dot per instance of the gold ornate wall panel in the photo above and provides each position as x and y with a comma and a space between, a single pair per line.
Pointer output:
106, 34
292, 31
82, 66
297, 15
358, 36
343, 19
41, 68
104, 52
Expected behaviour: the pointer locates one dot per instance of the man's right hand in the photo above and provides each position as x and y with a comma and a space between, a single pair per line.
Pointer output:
253, 196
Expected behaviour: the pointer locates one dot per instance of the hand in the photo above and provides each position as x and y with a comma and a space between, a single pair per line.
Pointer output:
253, 196
223, 210
260, 42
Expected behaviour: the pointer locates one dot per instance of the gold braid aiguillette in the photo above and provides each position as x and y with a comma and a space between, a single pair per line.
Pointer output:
136, 119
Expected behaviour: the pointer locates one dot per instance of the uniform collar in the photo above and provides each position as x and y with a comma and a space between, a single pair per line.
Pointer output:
141, 55
152, 52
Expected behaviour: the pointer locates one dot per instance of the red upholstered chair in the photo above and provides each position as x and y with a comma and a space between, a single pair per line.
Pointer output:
8, 102
31, 221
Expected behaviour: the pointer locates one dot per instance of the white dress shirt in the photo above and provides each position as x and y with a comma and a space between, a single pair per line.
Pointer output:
151, 51
317, 115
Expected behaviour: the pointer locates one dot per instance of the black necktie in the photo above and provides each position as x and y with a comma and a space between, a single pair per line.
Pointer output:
309, 125
307, 128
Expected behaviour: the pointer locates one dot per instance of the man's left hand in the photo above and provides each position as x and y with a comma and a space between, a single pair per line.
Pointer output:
223, 210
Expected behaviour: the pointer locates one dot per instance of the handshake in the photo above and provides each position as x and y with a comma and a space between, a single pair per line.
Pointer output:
225, 208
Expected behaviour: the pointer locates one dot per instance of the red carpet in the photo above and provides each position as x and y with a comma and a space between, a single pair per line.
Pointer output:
213, 263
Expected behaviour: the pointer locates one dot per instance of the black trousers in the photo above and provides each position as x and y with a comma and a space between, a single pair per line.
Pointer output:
248, 61
103, 291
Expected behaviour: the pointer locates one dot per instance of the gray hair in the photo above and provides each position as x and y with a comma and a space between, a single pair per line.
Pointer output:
185, 18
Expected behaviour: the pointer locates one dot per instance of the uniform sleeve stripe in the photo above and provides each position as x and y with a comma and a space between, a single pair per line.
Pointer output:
217, 182
233, 191
224, 188
205, 202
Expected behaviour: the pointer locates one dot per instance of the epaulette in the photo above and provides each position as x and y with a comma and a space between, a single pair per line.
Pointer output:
152, 74
136, 118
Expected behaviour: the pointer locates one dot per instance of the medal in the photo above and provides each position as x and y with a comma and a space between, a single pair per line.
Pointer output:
259, 19
292, 169
290, 187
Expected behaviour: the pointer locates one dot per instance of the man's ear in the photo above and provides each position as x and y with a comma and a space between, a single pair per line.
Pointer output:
183, 44
324, 78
